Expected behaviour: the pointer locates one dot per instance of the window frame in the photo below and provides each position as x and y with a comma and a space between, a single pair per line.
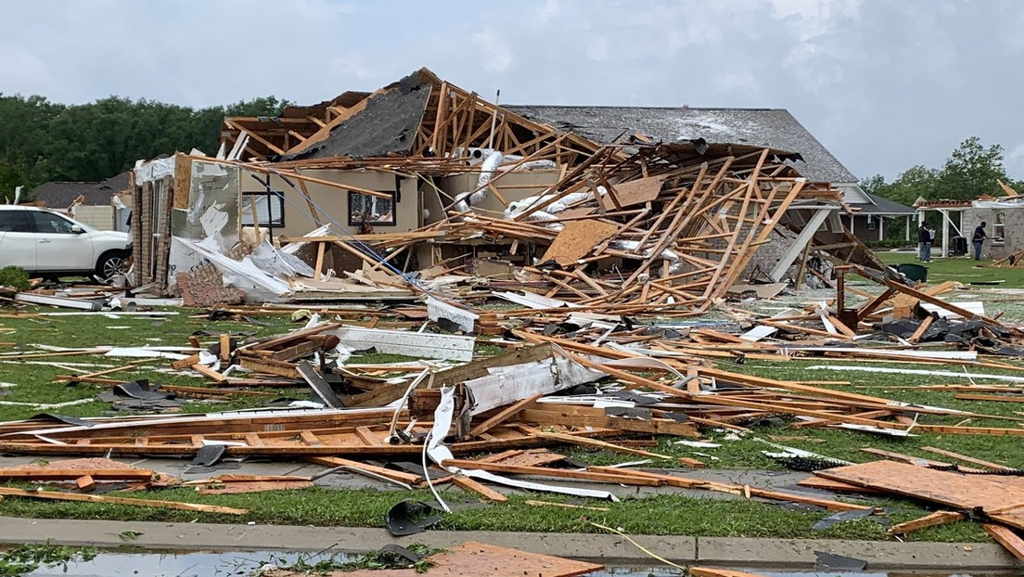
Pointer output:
998, 228
394, 208
244, 210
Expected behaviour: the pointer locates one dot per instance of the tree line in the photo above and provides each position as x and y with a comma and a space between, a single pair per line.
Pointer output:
42, 140
972, 170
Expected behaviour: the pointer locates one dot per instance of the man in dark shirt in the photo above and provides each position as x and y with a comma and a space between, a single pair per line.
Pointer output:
979, 240
924, 243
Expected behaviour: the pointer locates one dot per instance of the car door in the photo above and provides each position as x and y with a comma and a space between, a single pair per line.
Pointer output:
58, 247
17, 239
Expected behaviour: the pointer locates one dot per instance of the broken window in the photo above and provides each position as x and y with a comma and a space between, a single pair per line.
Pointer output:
999, 228
268, 216
372, 210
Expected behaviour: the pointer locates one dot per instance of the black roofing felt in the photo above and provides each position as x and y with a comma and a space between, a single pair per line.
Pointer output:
770, 127
385, 127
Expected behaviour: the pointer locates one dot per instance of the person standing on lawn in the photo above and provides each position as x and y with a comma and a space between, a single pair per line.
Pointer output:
979, 239
924, 243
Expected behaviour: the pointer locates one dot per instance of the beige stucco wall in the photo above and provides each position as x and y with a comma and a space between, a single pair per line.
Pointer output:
334, 202
97, 216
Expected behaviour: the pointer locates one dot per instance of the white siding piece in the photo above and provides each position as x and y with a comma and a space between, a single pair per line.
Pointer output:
437, 309
759, 332
976, 307
420, 345
532, 300
509, 384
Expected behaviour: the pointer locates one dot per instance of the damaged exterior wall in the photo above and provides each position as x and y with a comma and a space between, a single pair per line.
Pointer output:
1013, 230
334, 202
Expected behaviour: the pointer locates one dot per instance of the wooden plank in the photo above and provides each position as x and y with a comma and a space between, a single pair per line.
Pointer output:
401, 476
208, 372
479, 488
967, 458
1001, 498
58, 496
930, 520
586, 442
46, 474
577, 239
502, 416
1010, 541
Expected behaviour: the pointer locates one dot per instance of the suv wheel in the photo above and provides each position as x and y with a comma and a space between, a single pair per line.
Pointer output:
110, 264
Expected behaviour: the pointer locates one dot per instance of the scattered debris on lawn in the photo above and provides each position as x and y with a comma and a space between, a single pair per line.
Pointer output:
612, 287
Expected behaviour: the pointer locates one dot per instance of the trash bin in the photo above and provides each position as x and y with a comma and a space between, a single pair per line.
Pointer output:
914, 272
958, 246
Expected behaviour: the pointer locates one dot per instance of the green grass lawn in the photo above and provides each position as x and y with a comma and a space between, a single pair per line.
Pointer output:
962, 269
662, 514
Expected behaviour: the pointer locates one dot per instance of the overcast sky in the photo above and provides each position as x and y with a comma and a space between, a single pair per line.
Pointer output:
883, 84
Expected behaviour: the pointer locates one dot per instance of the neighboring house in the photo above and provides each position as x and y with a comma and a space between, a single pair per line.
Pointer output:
101, 205
869, 213
1004, 218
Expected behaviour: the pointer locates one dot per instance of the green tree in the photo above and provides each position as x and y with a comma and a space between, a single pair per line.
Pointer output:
972, 170
41, 140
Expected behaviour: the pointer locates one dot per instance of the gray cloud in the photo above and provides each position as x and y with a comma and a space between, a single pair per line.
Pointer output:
885, 85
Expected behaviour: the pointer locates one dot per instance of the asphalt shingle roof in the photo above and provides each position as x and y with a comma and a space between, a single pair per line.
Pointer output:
881, 205
60, 194
770, 127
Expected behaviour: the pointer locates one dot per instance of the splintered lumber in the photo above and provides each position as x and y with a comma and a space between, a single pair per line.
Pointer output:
502, 416
1001, 498
967, 459
399, 476
835, 486
45, 474
585, 442
536, 503
58, 496
240, 487
479, 488
930, 520
1007, 538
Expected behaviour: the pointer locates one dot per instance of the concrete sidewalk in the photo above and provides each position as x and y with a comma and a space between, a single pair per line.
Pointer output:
612, 549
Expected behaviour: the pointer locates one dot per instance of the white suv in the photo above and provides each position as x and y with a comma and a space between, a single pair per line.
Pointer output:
48, 243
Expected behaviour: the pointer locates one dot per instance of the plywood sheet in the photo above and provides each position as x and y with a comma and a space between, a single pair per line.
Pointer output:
473, 559
634, 192
988, 492
577, 239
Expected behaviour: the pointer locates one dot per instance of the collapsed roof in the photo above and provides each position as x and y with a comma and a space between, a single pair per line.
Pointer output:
766, 127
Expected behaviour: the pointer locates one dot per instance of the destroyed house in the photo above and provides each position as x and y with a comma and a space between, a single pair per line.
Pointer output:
423, 177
